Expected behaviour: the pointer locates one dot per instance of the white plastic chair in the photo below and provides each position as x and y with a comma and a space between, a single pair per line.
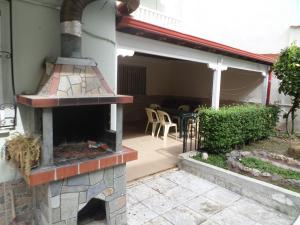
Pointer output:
154, 106
165, 121
153, 119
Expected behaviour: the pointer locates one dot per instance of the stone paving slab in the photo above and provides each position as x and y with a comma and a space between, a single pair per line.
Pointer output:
176, 197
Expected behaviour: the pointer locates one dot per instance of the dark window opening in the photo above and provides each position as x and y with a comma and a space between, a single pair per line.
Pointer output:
131, 80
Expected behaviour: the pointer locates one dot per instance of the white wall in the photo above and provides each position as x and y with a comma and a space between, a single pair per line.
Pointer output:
36, 34
260, 26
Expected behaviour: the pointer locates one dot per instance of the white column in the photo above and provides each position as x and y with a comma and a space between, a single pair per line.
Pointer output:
264, 88
216, 89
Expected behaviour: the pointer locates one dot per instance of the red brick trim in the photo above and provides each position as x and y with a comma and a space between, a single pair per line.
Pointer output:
49, 174
36, 101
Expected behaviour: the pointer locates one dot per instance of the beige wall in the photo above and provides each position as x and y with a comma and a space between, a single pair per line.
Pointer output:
190, 79
159, 73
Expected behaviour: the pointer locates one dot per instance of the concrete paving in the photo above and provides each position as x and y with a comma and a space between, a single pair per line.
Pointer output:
176, 197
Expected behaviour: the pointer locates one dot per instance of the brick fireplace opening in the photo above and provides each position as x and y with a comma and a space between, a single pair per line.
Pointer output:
80, 123
92, 213
81, 132
93, 198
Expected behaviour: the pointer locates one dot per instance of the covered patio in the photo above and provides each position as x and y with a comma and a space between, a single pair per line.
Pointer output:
180, 69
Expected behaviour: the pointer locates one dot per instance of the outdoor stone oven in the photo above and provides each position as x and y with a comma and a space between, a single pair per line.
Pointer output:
83, 162
81, 177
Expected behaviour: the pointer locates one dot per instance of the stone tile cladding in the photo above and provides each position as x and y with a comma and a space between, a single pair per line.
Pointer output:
58, 203
74, 80
22, 201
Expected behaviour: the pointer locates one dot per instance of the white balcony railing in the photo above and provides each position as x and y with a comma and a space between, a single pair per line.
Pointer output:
157, 18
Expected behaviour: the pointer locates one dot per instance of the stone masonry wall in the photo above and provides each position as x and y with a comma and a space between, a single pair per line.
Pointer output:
58, 203
22, 201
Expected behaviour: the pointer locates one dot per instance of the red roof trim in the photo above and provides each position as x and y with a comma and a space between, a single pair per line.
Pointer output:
130, 22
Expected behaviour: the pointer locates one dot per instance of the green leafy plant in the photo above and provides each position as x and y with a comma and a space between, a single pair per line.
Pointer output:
270, 168
287, 70
232, 126
218, 160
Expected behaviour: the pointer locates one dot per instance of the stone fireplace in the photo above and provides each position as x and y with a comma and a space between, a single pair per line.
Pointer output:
83, 162
81, 175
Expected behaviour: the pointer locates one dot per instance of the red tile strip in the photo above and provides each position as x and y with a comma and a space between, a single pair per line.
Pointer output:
43, 175
36, 101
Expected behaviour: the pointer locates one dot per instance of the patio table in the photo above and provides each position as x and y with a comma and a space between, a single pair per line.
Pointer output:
182, 115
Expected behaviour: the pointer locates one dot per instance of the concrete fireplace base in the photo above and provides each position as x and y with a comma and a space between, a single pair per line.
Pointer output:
58, 203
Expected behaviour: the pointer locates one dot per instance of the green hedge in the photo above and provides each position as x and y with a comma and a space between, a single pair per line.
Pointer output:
231, 126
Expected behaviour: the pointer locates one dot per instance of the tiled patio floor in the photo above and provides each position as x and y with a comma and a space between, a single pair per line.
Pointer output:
176, 197
154, 155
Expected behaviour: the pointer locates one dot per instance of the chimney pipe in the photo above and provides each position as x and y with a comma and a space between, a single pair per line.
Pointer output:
71, 27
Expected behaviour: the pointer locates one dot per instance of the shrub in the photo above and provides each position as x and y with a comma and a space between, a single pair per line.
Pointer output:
231, 126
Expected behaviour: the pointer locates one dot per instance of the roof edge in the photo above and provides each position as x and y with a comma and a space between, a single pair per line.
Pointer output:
138, 25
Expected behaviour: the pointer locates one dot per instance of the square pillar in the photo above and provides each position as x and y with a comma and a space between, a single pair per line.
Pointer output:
119, 127
47, 150
264, 88
216, 89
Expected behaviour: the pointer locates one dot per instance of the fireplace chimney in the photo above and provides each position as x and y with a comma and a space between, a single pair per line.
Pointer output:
71, 18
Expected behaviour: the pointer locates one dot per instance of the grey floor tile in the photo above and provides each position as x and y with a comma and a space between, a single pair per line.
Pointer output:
204, 206
179, 195
141, 192
191, 182
139, 213
159, 204
131, 200
160, 184
209, 222
222, 196
158, 221
260, 213
230, 217
184, 216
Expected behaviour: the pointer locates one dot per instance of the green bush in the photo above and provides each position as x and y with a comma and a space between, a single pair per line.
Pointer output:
231, 126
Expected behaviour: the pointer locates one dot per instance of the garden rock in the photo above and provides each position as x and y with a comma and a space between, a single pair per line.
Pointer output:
294, 149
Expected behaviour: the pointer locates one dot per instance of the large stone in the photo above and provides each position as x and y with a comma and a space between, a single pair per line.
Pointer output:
96, 177
55, 201
95, 190
109, 177
82, 197
72, 221
56, 215
294, 149
69, 205
117, 204
82, 180
71, 189
55, 188
119, 171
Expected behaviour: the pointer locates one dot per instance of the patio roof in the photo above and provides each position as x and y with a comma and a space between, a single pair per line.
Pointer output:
136, 27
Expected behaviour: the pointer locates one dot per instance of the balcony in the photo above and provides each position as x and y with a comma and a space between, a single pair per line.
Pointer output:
157, 18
